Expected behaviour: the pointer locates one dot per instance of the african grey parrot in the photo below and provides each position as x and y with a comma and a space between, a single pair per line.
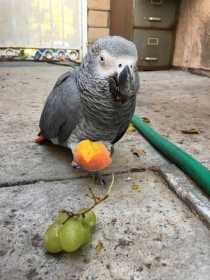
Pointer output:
95, 101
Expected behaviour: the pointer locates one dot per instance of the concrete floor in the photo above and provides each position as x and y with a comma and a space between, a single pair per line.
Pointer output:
176, 101
147, 233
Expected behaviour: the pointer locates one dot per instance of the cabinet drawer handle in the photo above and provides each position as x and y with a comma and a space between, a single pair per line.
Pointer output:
149, 58
152, 41
157, 19
156, 2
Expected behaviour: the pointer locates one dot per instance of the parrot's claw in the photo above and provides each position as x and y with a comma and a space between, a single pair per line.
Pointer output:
40, 139
72, 146
99, 179
74, 165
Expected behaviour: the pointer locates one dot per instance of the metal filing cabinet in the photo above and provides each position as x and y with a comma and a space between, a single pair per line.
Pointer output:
153, 25
154, 47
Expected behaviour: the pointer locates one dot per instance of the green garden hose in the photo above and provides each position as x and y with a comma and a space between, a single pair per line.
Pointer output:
193, 168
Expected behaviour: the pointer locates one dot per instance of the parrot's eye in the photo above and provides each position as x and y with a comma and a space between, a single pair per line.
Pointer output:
120, 65
131, 66
102, 58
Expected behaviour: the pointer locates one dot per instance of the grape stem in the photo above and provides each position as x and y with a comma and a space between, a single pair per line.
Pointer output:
97, 200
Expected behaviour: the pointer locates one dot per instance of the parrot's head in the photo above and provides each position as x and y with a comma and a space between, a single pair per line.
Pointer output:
113, 58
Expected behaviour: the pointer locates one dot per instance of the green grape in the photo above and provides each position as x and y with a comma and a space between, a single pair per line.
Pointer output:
72, 235
89, 218
51, 239
86, 232
61, 217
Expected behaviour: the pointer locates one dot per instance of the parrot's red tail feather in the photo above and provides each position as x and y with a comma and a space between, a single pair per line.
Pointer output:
40, 139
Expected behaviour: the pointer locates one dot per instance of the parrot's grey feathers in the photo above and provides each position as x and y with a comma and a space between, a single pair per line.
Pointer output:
62, 78
97, 100
117, 46
120, 134
61, 112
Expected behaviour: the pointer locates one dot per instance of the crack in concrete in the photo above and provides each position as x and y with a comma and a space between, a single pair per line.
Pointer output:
35, 181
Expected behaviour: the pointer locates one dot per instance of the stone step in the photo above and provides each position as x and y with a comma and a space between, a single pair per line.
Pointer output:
147, 233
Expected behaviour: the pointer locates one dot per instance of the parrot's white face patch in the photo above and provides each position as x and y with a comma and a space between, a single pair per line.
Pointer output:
109, 65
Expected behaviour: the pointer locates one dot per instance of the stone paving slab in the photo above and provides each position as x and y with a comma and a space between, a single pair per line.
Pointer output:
23, 93
147, 234
29, 162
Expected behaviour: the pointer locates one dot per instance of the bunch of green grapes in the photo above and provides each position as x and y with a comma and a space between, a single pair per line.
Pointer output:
68, 233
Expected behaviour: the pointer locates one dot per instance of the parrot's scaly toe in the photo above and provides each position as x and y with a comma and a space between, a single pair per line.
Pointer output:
74, 165
40, 139
99, 179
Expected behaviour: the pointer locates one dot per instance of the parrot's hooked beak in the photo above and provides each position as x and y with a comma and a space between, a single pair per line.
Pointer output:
124, 84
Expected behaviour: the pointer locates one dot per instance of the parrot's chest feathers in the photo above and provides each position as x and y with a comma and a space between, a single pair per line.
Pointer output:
105, 109
102, 115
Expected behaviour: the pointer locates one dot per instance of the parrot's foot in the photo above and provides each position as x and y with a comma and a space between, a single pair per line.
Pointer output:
74, 165
40, 139
71, 146
99, 179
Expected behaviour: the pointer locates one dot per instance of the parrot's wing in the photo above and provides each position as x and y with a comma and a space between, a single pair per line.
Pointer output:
62, 109
62, 78
120, 134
